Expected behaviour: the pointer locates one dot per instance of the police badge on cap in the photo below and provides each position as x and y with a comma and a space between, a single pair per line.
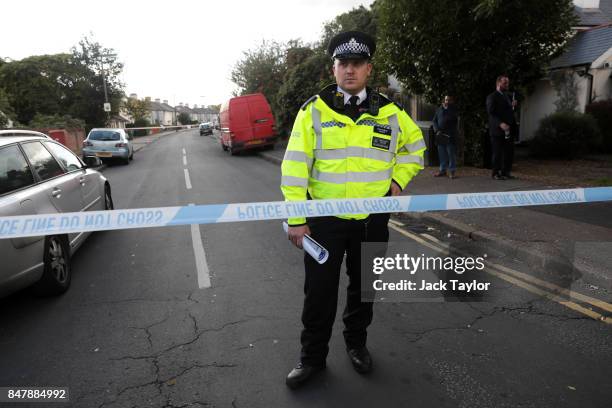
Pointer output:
352, 45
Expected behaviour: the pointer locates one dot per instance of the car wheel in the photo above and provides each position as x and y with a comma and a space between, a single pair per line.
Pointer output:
126, 161
132, 155
57, 271
108, 198
233, 151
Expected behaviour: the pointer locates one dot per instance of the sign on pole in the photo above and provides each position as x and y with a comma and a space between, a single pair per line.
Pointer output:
107, 107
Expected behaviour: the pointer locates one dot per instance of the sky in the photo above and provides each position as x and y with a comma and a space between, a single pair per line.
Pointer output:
181, 51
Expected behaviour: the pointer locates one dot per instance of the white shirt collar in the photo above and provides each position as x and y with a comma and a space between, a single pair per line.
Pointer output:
361, 95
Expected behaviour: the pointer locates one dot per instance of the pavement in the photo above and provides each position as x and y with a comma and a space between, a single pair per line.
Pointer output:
573, 239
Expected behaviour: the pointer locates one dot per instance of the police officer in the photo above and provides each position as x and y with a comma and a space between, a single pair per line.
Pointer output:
347, 142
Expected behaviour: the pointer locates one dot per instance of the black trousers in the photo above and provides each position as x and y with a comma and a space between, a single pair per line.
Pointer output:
502, 154
338, 236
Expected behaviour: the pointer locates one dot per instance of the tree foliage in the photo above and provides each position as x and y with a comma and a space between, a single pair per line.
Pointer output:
63, 84
301, 82
460, 47
288, 74
261, 70
138, 109
184, 118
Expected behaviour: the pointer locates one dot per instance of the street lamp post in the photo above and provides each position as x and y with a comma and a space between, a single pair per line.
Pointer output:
106, 103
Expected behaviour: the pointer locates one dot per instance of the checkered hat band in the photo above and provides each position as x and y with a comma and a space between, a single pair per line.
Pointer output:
352, 47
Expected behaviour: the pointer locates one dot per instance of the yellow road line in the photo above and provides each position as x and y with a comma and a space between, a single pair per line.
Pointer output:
496, 270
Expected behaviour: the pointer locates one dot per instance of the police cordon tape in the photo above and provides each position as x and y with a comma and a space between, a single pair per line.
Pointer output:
64, 223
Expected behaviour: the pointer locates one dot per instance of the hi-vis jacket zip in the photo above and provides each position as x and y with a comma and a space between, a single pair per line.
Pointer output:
331, 156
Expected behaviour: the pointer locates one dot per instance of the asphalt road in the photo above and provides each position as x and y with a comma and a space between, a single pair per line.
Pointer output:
154, 320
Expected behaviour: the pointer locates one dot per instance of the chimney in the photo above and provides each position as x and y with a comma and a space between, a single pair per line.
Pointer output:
133, 95
166, 101
186, 105
195, 106
157, 100
148, 98
180, 103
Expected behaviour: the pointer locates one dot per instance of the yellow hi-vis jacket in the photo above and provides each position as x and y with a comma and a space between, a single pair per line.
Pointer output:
331, 156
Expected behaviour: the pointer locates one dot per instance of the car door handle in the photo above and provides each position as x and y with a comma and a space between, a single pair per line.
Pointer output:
56, 192
82, 180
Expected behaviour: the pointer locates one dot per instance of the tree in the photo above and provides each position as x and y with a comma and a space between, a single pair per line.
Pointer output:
6, 110
460, 47
261, 70
37, 84
99, 63
63, 84
184, 118
301, 82
138, 109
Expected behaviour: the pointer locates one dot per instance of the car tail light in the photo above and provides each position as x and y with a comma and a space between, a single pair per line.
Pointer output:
121, 145
231, 135
87, 143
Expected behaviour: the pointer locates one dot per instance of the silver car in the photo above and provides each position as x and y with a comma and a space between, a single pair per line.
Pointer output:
109, 144
41, 176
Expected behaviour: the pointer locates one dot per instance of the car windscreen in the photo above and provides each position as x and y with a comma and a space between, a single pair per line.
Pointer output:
104, 135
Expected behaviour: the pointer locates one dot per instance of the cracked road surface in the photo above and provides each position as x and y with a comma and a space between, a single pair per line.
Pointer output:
134, 330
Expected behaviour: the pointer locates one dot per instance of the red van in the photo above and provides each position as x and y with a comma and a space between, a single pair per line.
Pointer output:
247, 123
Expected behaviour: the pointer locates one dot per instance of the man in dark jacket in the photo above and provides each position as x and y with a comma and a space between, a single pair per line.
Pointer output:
445, 125
501, 125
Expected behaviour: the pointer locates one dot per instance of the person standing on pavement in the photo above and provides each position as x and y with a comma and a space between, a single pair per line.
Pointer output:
347, 142
445, 124
500, 108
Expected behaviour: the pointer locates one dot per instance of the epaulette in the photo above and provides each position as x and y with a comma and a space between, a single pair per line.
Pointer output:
399, 105
311, 99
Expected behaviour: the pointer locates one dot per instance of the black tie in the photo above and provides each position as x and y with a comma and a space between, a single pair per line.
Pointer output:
352, 110
353, 101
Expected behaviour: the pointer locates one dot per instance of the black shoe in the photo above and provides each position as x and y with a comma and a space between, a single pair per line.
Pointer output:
498, 177
300, 374
361, 359
508, 177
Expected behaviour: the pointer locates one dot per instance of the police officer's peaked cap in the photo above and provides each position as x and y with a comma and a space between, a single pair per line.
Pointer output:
352, 45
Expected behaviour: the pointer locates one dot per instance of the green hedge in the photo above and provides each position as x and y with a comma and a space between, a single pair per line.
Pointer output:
565, 135
602, 112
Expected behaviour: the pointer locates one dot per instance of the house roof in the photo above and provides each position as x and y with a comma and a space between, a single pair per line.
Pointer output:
591, 17
585, 47
184, 109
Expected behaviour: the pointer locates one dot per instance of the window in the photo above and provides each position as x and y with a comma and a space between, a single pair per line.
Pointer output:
104, 135
44, 164
65, 156
14, 170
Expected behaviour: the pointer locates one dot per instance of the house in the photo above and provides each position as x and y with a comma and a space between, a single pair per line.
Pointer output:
203, 114
588, 61
185, 109
119, 120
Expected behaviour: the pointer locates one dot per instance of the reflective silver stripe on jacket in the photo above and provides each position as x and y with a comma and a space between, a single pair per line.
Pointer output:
395, 129
352, 177
291, 181
408, 158
414, 147
316, 125
298, 156
353, 151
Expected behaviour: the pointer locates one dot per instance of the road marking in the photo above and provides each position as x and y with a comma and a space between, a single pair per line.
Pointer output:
184, 152
200, 257
187, 179
498, 271
184, 160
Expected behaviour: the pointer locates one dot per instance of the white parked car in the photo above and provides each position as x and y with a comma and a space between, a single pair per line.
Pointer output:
109, 144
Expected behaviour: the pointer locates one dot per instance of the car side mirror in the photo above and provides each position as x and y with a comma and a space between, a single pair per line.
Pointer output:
92, 161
